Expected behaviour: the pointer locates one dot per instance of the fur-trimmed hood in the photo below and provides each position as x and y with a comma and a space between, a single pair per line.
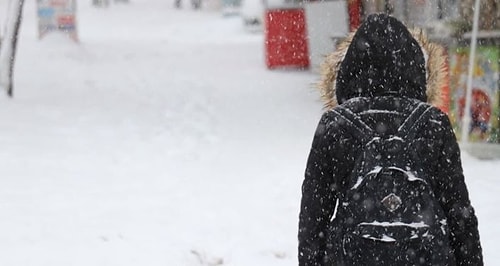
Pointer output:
383, 57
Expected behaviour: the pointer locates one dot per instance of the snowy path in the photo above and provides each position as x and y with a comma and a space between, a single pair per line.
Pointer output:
161, 139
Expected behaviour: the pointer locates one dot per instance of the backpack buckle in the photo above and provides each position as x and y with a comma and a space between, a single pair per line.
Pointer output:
392, 202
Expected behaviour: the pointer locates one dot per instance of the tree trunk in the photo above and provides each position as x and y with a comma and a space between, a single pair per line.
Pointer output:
9, 44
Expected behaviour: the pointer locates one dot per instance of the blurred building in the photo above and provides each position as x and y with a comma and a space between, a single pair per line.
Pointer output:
432, 15
449, 22
443, 20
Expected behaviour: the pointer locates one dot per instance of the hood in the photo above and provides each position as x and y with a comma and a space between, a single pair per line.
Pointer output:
383, 57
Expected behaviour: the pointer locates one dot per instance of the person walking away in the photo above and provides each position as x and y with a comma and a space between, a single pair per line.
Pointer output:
384, 183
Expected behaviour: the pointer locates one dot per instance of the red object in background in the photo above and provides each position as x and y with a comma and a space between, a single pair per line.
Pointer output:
66, 20
480, 106
354, 11
286, 38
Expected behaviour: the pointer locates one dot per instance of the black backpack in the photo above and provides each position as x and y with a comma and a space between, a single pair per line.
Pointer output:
388, 212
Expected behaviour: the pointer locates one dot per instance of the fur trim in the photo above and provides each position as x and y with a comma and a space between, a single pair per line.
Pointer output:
328, 72
435, 69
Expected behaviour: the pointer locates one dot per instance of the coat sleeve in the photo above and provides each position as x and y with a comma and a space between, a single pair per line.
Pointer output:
318, 198
454, 198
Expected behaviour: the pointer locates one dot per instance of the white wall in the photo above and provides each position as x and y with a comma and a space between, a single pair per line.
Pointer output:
325, 21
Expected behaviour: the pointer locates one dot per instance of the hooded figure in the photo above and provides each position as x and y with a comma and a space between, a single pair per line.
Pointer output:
381, 74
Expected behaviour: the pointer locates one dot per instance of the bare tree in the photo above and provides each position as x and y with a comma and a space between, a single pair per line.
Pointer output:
8, 44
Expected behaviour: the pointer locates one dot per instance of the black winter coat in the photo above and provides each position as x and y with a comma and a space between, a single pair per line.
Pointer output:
383, 105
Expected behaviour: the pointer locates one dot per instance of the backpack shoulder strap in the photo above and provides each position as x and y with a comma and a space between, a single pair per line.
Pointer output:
363, 131
414, 121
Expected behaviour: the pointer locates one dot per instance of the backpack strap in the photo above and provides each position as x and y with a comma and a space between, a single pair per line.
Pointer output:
414, 121
364, 132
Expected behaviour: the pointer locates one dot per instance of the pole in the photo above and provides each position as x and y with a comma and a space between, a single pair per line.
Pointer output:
468, 94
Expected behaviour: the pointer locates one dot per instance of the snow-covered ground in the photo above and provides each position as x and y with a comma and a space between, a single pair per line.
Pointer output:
162, 139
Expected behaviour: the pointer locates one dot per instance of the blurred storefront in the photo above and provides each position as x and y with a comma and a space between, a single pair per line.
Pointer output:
449, 23
302, 39
484, 128
300, 33
57, 16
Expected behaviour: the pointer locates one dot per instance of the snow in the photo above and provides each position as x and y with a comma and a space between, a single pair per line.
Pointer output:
385, 238
409, 174
389, 224
162, 139
359, 181
395, 138
375, 111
